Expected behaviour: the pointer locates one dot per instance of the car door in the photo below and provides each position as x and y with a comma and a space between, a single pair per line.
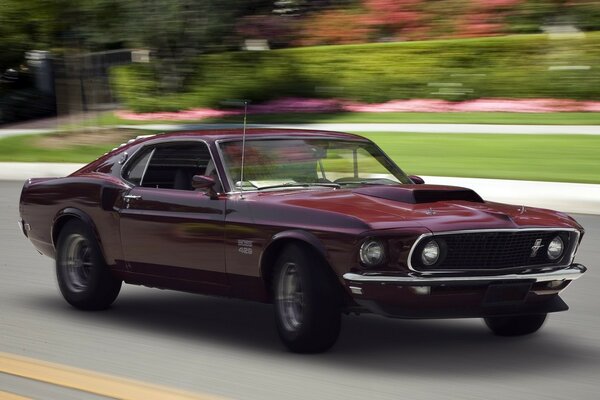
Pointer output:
169, 230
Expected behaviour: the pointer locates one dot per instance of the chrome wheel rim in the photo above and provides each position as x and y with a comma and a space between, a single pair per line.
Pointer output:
77, 263
290, 297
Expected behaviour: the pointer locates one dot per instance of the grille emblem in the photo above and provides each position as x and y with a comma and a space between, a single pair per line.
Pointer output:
534, 249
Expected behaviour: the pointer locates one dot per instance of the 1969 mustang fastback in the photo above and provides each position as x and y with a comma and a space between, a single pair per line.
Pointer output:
319, 223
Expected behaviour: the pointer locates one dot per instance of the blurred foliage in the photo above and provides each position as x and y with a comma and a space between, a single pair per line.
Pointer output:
192, 63
20, 100
29, 103
58, 25
520, 66
394, 20
531, 15
336, 26
178, 30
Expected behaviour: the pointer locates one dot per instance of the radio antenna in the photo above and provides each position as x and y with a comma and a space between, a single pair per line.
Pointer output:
243, 150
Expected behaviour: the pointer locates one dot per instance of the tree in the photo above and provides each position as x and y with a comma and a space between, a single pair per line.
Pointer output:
394, 18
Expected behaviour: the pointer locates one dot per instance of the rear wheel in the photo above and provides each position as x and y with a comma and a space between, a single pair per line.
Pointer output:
307, 301
84, 279
515, 325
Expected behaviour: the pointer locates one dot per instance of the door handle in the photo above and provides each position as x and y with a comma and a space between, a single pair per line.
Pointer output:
132, 197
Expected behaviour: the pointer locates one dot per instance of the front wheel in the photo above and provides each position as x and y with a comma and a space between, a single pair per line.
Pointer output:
307, 301
515, 325
84, 279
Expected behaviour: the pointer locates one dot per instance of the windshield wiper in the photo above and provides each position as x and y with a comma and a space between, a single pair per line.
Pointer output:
374, 182
303, 185
360, 183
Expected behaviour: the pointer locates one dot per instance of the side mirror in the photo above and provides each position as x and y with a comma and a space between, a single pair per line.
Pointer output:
417, 179
205, 183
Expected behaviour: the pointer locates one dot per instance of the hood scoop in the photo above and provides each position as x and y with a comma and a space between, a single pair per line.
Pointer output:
419, 194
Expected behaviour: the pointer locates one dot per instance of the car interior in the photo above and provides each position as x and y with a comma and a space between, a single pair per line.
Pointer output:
173, 166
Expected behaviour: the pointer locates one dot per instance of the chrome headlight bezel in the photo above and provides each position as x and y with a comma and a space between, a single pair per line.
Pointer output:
372, 253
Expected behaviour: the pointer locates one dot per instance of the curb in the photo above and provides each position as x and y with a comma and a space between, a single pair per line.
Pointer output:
567, 197
21, 171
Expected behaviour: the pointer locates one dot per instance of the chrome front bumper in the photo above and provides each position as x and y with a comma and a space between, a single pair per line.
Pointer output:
569, 273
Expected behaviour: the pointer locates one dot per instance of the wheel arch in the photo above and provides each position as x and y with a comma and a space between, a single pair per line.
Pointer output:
69, 214
279, 242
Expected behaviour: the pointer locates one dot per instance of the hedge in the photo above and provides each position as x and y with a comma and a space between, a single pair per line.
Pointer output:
518, 66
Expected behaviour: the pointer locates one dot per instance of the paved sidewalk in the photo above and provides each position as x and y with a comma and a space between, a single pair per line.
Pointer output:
361, 127
567, 197
45, 125
20, 171
17, 132
390, 127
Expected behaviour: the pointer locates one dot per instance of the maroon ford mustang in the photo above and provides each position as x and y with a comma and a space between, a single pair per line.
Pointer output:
319, 223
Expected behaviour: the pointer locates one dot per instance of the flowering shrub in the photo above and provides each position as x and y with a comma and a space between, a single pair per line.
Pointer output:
297, 105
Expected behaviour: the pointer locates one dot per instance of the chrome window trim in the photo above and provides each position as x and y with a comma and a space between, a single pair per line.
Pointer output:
445, 271
146, 166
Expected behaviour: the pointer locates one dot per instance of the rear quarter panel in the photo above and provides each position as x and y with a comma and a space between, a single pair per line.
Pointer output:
91, 197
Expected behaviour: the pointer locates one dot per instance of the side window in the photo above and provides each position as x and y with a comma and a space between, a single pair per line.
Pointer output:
135, 173
170, 166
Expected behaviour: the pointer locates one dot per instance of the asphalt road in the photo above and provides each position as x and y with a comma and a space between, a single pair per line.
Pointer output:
230, 348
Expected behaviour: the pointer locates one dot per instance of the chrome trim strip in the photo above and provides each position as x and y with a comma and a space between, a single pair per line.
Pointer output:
445, 271
571, 273
146, 167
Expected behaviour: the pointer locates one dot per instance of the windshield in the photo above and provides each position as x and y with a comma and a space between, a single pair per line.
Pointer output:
276, 163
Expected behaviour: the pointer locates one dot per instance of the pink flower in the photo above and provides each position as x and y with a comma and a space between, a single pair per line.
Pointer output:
303, 105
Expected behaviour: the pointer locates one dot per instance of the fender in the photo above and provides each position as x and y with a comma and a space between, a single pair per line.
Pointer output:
309, 238
71, 212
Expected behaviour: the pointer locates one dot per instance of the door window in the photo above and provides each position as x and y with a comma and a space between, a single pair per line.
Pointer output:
171, 166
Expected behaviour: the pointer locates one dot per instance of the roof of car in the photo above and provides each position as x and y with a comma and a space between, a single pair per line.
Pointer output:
212, 135
220, 134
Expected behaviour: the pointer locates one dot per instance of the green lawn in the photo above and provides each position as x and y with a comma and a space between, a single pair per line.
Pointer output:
566, 118
572, 158
561, 158
28, 149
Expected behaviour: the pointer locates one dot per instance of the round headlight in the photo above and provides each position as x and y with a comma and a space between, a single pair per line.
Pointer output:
555, 248
431, 253
371, 253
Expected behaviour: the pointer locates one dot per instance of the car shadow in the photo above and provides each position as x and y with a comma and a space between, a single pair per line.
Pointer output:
409, 347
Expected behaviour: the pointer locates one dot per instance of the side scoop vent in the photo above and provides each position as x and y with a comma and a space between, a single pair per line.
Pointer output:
418, 194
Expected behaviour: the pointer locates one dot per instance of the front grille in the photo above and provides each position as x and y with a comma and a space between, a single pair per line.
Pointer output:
493, 250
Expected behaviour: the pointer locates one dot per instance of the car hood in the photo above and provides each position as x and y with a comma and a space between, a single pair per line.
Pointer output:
436, 208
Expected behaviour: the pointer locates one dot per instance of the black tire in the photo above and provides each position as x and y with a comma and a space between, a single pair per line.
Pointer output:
84, 279
309, 320
515, 325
